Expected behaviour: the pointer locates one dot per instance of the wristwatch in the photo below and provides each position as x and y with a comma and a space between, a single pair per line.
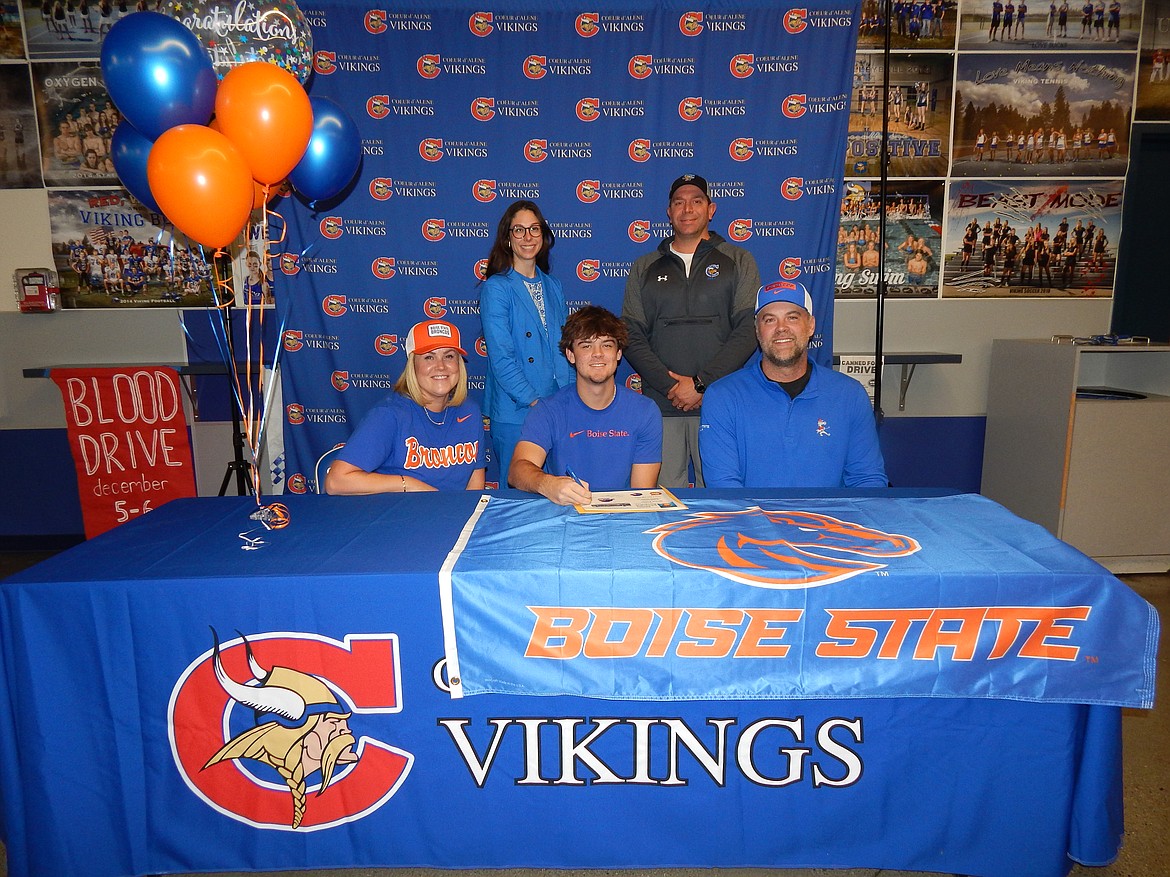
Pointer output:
700, 387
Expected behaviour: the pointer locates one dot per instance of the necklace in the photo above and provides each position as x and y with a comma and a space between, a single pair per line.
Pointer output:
607, 404
441, 420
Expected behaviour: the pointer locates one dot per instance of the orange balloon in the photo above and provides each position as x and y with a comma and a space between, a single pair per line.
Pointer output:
265, 112
201, 183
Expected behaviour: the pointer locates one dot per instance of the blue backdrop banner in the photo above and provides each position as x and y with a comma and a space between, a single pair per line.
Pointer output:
812, 598
590, 113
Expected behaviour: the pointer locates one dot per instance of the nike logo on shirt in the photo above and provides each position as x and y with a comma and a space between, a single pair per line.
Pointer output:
575, 434
463, 418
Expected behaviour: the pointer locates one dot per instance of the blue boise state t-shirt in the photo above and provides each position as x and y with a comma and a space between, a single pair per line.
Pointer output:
397, 437
599, 446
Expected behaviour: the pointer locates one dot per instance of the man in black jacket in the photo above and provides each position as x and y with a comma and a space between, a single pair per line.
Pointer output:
688, 306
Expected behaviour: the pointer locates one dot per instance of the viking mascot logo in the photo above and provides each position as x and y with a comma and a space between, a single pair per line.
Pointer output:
288, 731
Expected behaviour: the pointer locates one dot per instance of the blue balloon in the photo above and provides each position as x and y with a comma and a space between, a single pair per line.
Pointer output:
332, 156
129, 151
157, 73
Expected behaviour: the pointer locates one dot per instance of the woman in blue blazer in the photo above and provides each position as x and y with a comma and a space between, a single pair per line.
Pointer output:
522, 309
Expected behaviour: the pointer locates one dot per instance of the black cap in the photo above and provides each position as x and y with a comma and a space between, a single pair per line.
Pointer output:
688, 180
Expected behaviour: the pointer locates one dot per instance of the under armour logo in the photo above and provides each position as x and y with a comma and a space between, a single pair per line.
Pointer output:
662, 278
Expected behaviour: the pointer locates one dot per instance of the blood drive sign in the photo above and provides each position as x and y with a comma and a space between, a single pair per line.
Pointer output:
128, 435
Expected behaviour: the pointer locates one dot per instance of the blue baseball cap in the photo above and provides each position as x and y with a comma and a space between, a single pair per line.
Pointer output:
784, 290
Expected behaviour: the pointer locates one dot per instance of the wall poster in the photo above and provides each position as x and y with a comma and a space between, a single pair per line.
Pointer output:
1030, 238
111, 252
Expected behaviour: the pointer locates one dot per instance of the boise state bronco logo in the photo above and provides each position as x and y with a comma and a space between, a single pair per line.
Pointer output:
778, 549
795, 20
268, 730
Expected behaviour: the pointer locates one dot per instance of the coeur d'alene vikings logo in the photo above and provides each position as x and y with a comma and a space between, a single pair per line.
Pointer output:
778, 549
278, 706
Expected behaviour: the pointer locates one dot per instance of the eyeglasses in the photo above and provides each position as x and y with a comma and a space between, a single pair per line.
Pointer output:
519, 231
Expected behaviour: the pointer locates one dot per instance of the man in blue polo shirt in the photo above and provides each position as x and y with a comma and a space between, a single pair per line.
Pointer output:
782, 420
592, 434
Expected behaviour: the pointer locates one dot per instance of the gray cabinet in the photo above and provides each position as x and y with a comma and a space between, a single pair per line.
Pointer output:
1095, 472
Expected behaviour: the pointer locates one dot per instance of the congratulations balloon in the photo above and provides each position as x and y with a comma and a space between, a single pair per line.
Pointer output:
265, 112
333, 154
129, 151
238, 32
157, 73
202, 184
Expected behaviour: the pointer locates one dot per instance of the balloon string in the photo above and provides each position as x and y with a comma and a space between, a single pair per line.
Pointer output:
267, 392
224, 294
246, 410
283, 227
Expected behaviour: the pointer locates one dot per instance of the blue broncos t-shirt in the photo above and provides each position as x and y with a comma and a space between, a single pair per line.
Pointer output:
599, 446
397, 438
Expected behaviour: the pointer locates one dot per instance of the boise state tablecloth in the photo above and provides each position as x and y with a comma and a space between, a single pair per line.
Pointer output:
806, 598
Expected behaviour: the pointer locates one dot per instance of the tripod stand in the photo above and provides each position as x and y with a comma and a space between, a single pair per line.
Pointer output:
238, 465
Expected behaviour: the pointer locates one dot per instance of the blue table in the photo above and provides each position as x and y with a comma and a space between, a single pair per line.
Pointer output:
128, 751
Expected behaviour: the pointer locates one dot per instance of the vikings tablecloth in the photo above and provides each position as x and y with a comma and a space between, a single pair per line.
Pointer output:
789, 598
194, 692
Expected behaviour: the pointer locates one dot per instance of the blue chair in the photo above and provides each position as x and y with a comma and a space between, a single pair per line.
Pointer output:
322, 467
